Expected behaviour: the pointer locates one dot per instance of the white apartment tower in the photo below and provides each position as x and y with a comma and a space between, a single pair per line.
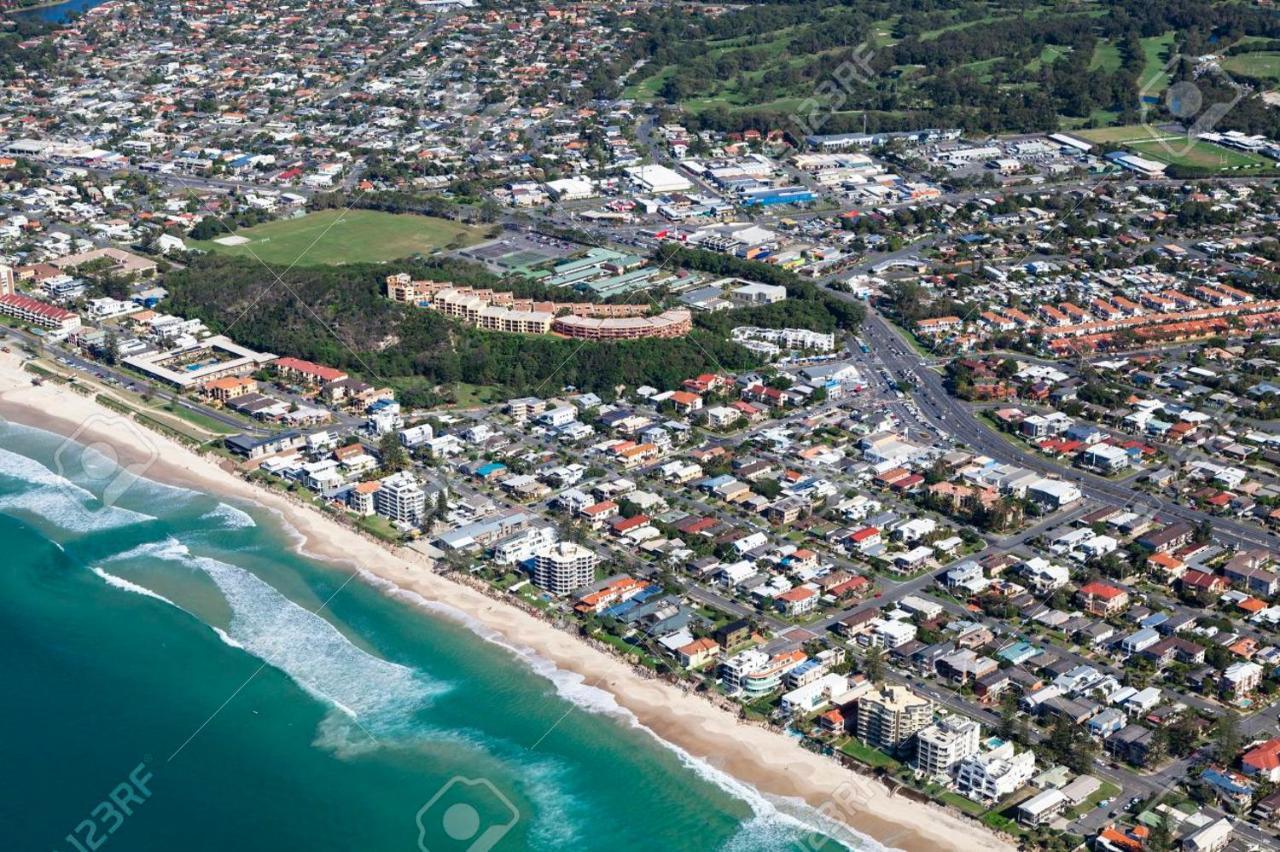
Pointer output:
563, 567
888, 717
401, 498
940, 747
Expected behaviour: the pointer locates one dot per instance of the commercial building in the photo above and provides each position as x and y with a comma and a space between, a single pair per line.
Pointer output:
564, 567
117, 261
658, 179
759, 294
1054, 494
1214, 837
1105, 458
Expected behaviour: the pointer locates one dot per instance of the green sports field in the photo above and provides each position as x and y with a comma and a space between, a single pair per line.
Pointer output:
1199, 154
1265, 65
333, 237
1122, 134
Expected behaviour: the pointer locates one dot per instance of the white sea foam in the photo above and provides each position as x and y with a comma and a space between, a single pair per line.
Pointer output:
89, 458
53, 498
229, 517
66, 513
773, 817
27, 469
305, 646
226, 639
554, 825
128, 586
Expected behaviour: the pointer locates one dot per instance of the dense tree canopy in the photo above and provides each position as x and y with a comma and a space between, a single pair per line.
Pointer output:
339, 316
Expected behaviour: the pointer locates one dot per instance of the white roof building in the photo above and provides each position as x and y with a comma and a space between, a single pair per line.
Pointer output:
658, 179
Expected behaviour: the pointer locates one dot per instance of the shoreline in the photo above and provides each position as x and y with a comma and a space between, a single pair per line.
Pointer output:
694, 726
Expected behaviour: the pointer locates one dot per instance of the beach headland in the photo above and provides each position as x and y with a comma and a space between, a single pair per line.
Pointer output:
761, 758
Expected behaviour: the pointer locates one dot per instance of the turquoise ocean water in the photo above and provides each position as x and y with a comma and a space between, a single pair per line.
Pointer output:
267, 701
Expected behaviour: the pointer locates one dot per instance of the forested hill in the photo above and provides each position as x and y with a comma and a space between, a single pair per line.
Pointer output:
340, 316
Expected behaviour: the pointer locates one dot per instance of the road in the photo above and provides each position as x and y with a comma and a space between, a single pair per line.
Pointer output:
69, 357
954, 417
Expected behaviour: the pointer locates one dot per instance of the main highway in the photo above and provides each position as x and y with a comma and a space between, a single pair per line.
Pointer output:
953, 417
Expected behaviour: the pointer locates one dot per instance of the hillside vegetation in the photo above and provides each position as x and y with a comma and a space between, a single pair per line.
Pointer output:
340, 316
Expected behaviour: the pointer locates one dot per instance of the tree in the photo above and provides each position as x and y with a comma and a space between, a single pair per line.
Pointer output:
1161, 838
1008, 716
393, 454
1227, 736
111, 348
1182, 736
873, 664
490, 210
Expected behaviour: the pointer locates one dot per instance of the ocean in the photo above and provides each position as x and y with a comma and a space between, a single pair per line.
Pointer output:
179, 676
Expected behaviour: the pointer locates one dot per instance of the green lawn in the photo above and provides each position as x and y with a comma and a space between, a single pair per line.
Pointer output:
1200, 154
932, 35
882, 32
1106, 57
335, 237
379, 527
1118, 135
868, 755
198, 419
647, 88
1153, 80
1049, 54
471, 396
962, 803
1097, 118
1265, 65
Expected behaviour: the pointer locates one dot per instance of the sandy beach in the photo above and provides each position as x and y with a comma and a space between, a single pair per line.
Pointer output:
766, 760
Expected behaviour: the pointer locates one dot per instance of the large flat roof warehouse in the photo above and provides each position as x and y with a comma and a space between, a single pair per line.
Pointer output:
658, 179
